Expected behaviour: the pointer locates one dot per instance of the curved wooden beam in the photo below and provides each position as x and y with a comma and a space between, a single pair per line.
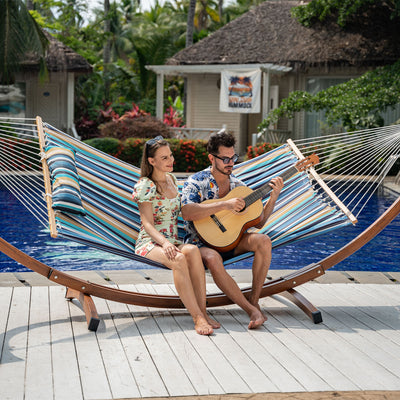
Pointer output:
213, 300
143, 299
363, 238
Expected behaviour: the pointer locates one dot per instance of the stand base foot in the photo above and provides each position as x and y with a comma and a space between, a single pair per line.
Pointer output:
295, 297
92, 317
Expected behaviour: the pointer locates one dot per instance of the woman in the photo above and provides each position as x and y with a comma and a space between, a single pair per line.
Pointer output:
159, 205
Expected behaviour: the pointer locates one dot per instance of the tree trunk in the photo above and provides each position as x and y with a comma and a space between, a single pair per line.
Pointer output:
190, 23
220, 9
107, 49
189, 42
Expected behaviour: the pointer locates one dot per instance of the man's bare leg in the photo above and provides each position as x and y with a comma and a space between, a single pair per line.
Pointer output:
227, 284
261, 246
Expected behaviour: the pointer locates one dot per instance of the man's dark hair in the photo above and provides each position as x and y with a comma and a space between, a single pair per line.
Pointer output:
221, 138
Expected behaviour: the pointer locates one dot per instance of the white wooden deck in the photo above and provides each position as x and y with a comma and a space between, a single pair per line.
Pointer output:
48, 353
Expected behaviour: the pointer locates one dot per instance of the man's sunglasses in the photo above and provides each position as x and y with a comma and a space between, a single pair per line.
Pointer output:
227, 160
153, 141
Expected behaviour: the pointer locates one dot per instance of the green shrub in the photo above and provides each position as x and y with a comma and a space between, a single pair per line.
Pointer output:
190, 155
107, 145
131, 150
254, 151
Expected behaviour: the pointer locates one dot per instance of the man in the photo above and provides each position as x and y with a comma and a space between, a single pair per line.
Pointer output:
215, 183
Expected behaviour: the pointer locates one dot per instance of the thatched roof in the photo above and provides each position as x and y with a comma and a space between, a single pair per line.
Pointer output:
268, 34
59, 57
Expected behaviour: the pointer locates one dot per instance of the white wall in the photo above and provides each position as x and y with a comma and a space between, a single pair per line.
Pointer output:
51, 100
203, 106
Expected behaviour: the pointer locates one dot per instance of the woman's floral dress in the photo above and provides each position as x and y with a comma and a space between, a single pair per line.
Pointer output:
165, 213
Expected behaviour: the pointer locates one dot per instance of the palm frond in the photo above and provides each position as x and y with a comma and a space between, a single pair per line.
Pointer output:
19, 35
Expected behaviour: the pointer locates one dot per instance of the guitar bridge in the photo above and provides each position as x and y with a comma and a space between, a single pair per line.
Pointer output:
218, 223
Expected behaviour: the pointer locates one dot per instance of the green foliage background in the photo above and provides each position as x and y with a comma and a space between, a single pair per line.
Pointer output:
355, 104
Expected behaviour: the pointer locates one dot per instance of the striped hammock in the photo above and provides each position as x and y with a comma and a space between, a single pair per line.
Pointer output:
108, 219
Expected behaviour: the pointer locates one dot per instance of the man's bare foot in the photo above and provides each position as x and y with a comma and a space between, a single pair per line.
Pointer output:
257, 305
202, 326
262, 312
212, 322
256, 319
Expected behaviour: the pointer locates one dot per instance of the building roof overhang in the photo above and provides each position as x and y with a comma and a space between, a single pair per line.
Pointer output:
215, 68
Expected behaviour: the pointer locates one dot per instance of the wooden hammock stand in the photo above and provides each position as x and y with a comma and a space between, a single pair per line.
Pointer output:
83, 290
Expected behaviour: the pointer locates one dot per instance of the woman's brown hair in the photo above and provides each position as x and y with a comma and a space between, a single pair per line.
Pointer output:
150, 148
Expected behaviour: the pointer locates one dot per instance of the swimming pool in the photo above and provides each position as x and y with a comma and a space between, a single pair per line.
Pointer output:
20, 228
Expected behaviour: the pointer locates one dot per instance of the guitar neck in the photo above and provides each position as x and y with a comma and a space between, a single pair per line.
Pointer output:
266, 188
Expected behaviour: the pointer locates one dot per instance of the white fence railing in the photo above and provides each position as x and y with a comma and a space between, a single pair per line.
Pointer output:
194, 133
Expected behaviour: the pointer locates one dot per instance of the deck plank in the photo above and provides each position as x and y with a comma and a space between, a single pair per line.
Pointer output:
381, 351
196, 369
13, 358
173, 375
279, 377
297, 336
375, 309
118, 370
219, 365
138, 353
39, 386
271, 341
369, 374
91, 367
145, 372
5, 301
349, 305
63, 348
326, 360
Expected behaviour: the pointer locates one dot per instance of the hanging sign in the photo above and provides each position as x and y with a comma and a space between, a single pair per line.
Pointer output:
240, 91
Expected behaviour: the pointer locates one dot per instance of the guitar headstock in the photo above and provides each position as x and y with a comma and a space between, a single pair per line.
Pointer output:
307, 162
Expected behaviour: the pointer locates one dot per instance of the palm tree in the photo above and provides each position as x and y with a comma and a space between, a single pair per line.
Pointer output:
107, 48
155, 36
19, 34
190, 23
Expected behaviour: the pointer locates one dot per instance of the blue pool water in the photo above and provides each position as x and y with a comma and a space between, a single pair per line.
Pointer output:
19, 227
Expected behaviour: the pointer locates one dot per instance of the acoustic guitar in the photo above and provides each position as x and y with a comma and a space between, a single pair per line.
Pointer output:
223, 230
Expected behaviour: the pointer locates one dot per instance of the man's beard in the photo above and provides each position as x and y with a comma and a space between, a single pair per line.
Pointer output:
223, 171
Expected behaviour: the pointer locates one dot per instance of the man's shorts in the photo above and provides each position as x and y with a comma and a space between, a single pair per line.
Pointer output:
227, 254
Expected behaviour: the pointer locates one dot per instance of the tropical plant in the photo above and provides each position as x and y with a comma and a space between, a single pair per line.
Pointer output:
357, 103
190, 155
173, 115
19, 34
258, 149
344, 12
134, 123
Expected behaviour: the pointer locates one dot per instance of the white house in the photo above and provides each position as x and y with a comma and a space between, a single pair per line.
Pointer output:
290, 57
52, 99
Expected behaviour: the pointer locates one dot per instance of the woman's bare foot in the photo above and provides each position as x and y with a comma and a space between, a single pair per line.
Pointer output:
212, 322
202, 326
257, 318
